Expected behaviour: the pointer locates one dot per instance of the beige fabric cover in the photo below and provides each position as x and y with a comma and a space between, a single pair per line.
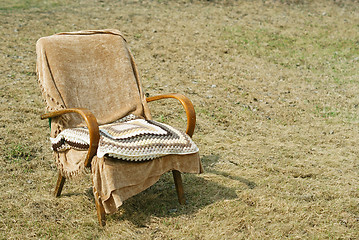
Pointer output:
96, 70
117, 181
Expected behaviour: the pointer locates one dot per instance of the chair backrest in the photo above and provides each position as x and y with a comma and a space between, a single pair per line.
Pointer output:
90, 69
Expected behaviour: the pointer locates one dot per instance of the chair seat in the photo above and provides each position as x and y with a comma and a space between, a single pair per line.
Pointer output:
130, 138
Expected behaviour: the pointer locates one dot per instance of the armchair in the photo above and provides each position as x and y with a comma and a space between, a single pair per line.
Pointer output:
93, 93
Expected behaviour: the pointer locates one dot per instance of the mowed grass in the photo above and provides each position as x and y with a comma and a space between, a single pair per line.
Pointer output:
275, 86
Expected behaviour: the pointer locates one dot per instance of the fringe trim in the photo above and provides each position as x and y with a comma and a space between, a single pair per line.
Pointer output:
72, 175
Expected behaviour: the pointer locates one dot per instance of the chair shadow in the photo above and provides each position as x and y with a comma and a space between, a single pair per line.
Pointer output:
160, 200
70, 194
210, 160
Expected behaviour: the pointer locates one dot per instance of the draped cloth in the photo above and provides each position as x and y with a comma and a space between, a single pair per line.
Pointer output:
95, 69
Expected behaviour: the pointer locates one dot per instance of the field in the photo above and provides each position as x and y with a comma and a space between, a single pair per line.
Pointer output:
275, 86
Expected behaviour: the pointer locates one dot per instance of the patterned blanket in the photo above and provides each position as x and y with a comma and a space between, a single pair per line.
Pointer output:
130, 139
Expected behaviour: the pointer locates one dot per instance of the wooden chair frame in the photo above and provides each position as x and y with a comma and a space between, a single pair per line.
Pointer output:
93, 128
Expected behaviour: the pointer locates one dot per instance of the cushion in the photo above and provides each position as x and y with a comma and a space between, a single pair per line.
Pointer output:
130, 139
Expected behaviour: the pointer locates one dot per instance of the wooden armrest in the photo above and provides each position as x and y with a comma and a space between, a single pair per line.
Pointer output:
188, 106
92, 126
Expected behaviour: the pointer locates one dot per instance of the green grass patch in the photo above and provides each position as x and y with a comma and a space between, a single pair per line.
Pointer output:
326, 112
18, 153
313, 48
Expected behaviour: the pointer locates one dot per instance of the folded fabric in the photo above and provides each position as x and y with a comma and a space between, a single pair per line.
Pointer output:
130, 139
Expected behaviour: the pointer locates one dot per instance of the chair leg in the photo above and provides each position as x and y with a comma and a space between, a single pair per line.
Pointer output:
59, 185
101, 215
179, 186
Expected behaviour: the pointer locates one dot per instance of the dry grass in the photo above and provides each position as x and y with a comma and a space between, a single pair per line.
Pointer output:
275, 86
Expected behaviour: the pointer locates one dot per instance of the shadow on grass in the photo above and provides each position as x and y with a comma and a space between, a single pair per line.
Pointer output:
209, 160
70, 194
250, 184
160, 200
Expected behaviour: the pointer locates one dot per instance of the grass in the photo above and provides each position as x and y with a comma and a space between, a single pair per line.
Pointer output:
307, 48
18, 152
19, 5
274, 84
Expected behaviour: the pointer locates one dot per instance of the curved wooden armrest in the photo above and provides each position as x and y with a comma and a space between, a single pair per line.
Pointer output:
92, 126
188, 106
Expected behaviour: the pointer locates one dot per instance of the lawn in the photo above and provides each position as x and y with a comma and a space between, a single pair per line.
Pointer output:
275, 86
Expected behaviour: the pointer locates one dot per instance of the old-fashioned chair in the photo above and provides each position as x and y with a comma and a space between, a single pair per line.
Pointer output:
99, 118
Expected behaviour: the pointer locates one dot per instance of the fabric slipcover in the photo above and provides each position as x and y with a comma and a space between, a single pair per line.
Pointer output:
95, 70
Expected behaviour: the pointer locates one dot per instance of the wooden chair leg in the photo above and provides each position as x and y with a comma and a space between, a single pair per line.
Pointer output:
59, 185
101, 215
179, 186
